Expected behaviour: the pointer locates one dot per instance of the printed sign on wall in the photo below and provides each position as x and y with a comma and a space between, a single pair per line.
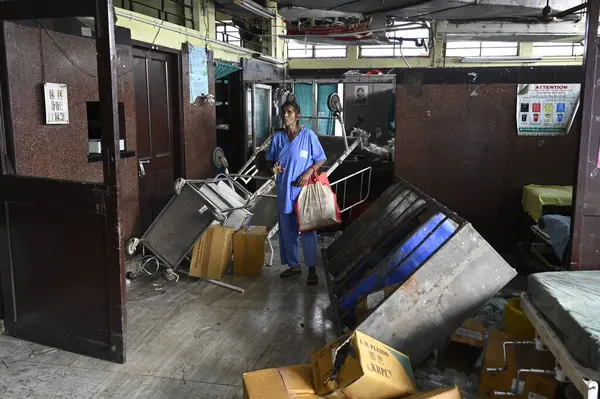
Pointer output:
546, 109
57, 104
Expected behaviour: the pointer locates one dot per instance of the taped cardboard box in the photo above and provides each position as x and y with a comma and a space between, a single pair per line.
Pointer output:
518, 357
359, 366
465, 349
283, 382
212, 253
249, 250
440, 393
367, 303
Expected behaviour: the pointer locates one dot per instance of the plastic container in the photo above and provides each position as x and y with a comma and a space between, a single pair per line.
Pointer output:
516, 322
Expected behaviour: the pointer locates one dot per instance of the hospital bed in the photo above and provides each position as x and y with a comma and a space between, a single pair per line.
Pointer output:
548, 210
228, 199
564, 308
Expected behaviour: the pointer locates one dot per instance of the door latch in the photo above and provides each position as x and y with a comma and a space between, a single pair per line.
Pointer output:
141, 168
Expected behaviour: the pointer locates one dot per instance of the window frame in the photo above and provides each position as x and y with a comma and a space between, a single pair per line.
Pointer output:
313, 47
481, 48
396, 46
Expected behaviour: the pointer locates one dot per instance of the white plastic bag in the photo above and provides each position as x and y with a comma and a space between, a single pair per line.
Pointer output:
317, 206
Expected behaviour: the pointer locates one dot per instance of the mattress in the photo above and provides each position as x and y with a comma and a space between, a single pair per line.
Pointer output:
570, 301
536, 197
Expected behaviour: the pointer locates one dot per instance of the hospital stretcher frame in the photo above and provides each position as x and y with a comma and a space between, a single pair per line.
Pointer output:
567, 368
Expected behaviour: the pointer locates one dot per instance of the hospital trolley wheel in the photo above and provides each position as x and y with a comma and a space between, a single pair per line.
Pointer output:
169, 275
132, 246
179, 183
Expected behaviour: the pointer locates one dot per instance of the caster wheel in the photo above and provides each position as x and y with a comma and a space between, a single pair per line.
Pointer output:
179, 183
132, 246
130, 275
170, 276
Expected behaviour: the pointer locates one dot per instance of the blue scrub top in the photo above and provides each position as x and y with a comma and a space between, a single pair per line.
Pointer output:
295, 157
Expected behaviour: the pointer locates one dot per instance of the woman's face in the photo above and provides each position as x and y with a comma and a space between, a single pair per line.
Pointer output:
290, 117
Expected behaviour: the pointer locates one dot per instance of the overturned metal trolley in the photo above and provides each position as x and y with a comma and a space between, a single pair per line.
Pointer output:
196, 205
408, 271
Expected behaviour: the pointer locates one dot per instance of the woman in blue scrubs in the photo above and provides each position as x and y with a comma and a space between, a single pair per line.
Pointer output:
294, 155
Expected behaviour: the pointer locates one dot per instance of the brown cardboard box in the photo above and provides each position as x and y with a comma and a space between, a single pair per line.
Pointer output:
440, 393
283, 382
212, 252
363, 368
367, 303
465, 348
519, 357
471, 333
249, 250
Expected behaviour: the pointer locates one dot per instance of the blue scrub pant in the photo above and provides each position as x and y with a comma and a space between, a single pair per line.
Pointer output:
288, 242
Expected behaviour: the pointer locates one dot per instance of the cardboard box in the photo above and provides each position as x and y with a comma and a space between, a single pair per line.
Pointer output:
359, 366
519, 357
283, 382
440, 393
212, 252
249, 250
367, 303
471, 332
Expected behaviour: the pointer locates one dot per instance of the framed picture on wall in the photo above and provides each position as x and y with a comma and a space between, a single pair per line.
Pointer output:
361, 95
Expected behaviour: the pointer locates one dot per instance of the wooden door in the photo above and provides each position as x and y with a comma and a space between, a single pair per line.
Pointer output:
157, 131
61, 266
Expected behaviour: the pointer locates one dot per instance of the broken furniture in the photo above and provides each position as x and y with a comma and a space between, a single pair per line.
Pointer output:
196, 205
444, 268
564, 308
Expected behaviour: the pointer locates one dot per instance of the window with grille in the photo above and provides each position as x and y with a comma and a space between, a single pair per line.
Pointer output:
228, 33
180, 12
408, 33
302, 50
456, 48
553, 49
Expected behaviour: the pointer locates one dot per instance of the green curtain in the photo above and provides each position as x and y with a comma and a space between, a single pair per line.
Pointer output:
323, 91
304, 98
223, 69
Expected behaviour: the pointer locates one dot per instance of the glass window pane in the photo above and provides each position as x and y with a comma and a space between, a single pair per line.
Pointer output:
296, 53
462, 44
549, 49
322, 51
499, 51
463, 52
377, 51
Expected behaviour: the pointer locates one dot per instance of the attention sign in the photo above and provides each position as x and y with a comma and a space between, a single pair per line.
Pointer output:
546, 109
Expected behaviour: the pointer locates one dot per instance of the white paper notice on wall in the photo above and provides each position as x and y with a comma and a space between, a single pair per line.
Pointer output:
546, 109
56, 103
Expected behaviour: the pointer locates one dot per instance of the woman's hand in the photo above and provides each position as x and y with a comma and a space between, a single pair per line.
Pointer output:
304, 178
277, 168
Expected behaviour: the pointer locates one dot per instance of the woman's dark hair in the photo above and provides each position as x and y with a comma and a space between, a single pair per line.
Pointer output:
291, 104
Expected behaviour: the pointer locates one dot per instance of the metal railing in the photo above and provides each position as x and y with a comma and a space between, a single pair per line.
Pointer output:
180, 12
251, 37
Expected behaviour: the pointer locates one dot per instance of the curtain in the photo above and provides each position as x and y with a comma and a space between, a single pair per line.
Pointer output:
323, 91
304, 98
223, 69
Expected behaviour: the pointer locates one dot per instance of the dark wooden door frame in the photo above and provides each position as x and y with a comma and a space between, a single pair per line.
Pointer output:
101, 198
176, 74
586, 215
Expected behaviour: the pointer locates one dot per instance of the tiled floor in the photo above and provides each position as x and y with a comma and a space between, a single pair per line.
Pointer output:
190, 339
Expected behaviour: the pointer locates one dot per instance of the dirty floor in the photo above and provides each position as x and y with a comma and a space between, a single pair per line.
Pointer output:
190, 339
